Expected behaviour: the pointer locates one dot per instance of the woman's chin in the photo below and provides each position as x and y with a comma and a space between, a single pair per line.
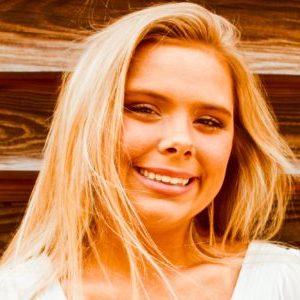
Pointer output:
160, 213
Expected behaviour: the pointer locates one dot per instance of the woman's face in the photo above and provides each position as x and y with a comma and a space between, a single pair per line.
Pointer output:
178, 131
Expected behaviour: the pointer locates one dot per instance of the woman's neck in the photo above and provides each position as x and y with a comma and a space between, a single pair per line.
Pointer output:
173, 244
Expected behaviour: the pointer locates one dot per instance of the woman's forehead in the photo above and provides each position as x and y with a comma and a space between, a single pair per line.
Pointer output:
163, 51
181, 72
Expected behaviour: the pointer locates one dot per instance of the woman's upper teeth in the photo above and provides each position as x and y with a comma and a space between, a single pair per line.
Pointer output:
164, 178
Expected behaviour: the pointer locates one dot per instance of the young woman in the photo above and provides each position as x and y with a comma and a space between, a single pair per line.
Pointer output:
163, 176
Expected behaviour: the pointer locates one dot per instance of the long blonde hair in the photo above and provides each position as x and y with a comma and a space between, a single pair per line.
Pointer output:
79, 194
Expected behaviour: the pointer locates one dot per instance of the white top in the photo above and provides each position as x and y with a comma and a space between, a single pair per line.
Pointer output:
269, 272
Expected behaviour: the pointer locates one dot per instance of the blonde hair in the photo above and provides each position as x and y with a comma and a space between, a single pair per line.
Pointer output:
79, 193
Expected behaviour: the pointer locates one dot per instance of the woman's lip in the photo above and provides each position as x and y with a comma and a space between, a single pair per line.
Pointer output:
169, 172
164, 188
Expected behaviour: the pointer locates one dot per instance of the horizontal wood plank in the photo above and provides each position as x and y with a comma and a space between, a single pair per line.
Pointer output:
26, 105
46, 35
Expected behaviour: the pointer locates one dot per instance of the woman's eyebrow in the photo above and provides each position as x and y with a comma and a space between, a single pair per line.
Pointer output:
147, 93
159, 96
216, 108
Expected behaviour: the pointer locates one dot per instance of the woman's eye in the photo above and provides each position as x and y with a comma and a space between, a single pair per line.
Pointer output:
209, 122
141, 109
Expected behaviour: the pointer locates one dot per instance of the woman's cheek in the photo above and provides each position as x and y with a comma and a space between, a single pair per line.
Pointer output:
138, 137
214, 151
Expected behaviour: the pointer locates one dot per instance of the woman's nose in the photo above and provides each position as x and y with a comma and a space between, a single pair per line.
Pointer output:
177, 145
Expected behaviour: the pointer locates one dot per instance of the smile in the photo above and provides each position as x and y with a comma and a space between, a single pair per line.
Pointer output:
164, 178
166, 182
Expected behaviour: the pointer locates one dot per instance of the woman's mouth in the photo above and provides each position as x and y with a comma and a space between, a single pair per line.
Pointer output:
162, 183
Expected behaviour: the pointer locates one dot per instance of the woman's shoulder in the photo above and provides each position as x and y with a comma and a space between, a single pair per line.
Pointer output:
269, 271
22, 280
272, 253
281, 261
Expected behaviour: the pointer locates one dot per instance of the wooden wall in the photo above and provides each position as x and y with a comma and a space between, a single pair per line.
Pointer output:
41, 39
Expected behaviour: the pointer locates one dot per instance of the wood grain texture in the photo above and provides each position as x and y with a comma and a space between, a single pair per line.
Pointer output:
26, 105
283, 93
15, 189
290, 231
45, 35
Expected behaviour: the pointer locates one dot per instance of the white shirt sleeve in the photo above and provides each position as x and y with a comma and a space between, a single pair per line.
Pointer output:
269, 272
20, 281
